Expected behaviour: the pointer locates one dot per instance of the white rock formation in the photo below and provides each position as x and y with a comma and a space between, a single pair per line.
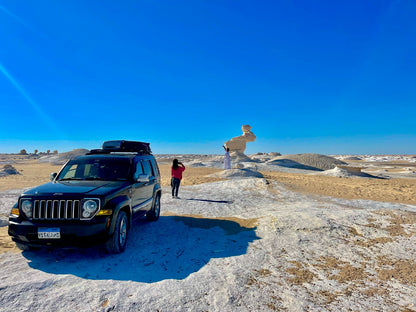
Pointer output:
238, 144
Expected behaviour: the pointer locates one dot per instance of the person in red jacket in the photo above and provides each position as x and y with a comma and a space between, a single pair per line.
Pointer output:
177, 169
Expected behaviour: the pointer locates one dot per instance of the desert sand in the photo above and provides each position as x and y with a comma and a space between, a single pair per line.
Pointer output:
385, 190
292, 240
33, 173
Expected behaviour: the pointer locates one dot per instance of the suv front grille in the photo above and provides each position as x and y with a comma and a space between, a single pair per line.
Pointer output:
56, 210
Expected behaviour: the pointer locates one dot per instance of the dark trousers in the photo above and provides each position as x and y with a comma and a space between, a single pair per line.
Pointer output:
175, 186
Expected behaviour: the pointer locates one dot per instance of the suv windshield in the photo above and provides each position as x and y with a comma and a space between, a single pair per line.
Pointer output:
107, 169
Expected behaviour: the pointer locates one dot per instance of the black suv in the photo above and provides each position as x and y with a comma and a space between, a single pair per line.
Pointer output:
92, 200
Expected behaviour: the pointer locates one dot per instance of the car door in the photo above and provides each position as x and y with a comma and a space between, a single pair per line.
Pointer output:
138, 194
148, 170
142, 191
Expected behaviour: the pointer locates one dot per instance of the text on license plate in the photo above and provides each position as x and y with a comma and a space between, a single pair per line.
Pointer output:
49, 233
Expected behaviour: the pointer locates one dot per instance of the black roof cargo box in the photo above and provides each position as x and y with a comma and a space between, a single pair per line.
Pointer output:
127, 146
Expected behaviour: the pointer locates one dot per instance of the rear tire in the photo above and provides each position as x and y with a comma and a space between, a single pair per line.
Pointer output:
153, 215
117, 243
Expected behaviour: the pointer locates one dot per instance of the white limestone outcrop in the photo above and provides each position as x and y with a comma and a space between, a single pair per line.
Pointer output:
237, 145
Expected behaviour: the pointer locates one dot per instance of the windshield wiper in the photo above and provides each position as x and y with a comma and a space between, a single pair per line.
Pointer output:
109, 179
67, 179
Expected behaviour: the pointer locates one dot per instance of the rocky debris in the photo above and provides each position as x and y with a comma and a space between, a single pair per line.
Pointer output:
8, 170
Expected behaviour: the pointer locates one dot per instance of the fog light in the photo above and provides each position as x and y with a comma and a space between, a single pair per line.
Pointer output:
87, 214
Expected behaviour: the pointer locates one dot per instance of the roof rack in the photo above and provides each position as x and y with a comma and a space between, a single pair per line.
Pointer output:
122, 146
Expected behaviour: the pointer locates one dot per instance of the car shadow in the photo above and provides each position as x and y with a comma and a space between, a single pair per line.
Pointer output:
171, 248
211, 200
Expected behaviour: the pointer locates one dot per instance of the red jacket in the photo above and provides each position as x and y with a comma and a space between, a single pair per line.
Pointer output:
177, 173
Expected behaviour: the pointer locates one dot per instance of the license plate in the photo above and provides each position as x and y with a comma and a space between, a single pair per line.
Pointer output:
54, 233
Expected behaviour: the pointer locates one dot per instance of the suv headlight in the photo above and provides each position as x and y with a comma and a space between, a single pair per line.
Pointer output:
89, 208
27, 207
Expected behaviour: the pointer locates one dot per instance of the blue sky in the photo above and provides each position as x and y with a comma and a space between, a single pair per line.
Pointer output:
329, 77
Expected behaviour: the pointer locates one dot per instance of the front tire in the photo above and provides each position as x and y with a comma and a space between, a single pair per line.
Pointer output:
153, 215
117, 243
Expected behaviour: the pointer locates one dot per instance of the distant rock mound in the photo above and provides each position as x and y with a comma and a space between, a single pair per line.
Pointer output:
262, 157
274, 154
8, 170
352, 158
307, 161
196, 164
73, 153
237, 173
62, 158
346, 172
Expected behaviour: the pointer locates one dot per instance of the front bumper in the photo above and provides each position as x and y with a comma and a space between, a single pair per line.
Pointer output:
77, 234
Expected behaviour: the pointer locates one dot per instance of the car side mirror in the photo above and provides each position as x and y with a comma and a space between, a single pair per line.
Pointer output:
53, 176
143, 178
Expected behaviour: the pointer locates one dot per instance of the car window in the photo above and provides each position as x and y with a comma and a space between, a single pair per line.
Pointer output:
96, 169
147, 168
70, 173
155, 167
139, 170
